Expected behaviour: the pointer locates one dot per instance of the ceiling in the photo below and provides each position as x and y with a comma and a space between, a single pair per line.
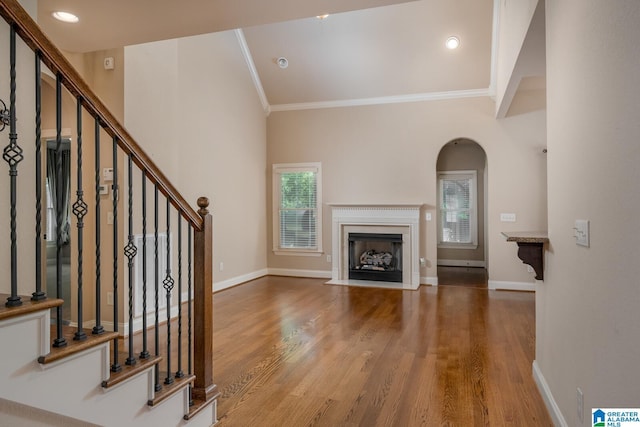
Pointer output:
365, 50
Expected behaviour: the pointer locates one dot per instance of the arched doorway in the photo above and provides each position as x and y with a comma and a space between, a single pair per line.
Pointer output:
461, 214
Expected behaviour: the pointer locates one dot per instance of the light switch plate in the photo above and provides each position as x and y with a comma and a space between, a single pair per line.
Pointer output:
581, 232
508, 217
107, 174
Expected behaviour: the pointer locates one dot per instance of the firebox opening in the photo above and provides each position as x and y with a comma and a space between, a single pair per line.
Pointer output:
375, 256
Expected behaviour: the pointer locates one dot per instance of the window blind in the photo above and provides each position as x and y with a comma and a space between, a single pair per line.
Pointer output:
457, 208
298, 209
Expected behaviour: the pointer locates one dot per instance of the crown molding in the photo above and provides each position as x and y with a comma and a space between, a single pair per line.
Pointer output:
252, 70
418, 97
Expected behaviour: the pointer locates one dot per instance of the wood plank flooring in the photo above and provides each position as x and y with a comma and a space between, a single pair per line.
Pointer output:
295, 352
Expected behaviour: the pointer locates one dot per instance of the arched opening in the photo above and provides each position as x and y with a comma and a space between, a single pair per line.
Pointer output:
461, 214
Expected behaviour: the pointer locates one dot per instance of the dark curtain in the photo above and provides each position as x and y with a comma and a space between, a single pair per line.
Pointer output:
65, 181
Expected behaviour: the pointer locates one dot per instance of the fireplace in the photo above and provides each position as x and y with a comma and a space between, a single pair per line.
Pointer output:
375, 256
390, 232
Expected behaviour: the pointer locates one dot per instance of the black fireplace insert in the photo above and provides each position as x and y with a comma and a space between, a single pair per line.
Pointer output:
375, 256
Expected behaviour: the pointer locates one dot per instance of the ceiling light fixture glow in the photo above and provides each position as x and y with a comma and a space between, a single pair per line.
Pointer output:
65, 17
452, 42
321, 17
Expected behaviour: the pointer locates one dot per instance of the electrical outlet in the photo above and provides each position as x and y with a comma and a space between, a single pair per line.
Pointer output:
110, 218
428, 216
328, 258
581, 232
109, 298
580, 401
221, 265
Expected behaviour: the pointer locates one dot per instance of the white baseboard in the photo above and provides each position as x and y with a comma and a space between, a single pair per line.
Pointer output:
547, 397
218, 286
461, 263
428, 280
511, 286
318, 274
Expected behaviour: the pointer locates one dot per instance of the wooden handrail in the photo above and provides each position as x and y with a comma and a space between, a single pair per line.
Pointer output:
33, 36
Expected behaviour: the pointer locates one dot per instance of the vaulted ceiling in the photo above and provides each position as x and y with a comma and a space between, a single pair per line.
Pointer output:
365, 50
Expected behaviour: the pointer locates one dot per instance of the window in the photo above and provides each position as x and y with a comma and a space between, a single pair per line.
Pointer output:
297, 213
457, 203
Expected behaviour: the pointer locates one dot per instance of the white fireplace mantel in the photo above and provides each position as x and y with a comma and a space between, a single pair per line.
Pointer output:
396, 218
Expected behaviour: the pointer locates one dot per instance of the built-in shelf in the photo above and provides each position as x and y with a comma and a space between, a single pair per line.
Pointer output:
530, 248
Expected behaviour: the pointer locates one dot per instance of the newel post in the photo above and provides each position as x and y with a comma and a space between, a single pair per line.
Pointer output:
204, 388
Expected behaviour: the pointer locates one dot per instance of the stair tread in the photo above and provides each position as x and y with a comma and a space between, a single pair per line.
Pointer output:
74, 346
170, 389
28, 306
200, 404
129, 371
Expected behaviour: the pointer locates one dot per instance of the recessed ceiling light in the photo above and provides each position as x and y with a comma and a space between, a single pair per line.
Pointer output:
282, 62
326, 15
65, 17
452, 42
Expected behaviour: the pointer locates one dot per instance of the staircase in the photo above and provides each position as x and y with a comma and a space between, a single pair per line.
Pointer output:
121, 333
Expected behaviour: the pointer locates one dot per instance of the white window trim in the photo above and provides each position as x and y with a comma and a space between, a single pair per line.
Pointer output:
277, 169
473, 230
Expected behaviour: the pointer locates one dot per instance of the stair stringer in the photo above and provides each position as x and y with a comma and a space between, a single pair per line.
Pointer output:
72, 386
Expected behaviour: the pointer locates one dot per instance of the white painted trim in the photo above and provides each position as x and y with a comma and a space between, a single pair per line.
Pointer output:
228, 283
351, 217
277, 169
429, 280
511, 286
246, 53
418, 97
495, 45
297, 252
374, 284
318, 274
461, 263
547, 397
43, 321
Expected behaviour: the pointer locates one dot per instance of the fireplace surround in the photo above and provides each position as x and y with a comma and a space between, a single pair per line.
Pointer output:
400, 221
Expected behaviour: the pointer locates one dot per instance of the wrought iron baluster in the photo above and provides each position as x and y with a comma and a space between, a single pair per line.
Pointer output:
130, 252
168, 284
12, 154
98, 328
39, 294
156, 269
189, 314
115, 366
179, 373
145, 352
80, 210
60, 341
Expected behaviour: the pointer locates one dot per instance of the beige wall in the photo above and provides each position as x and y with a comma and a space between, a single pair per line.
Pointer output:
588, 322
465, 155
514, 18
388, 154
192, 105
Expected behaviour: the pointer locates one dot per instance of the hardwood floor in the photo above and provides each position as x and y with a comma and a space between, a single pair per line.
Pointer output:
474, 277
296, 352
